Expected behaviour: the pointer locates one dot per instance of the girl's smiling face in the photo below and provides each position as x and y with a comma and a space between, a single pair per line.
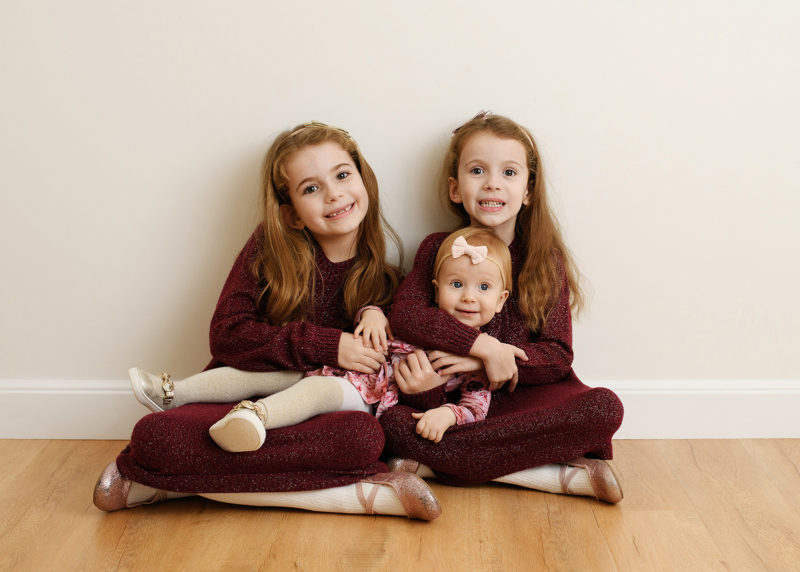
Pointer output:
328, 197
492, 182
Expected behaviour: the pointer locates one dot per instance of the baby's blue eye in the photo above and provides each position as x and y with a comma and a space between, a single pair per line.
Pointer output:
484, 286
509, 172
456, 283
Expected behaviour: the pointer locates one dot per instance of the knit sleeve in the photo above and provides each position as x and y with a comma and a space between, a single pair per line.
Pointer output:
240, 337
414, 316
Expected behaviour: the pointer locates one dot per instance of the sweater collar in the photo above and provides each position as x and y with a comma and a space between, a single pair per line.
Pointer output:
325, 264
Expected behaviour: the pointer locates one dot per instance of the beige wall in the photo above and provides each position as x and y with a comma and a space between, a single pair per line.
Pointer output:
132, 134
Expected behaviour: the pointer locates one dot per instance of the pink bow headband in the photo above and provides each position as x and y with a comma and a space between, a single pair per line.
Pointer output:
477, 254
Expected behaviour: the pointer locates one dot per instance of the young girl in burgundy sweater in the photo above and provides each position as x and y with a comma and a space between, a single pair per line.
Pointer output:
473, 279
541, 433
316, 259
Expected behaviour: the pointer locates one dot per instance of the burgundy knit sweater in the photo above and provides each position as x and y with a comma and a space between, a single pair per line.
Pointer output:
240, 337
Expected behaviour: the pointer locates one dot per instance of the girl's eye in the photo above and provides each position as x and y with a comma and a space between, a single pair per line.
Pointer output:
343, 175
509, 172
484, 286
310, 189
456, 284
476, 171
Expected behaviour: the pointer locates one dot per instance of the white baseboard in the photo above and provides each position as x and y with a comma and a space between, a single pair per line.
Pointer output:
708, 409
68, 409
654, 409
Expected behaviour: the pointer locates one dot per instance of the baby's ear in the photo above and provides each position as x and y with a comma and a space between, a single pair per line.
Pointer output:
435, 291
290, 217
501, 301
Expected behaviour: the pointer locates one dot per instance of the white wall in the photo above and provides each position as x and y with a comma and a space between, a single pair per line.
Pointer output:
132, 135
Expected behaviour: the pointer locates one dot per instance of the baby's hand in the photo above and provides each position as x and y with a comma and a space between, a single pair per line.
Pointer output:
434, 422
374, 327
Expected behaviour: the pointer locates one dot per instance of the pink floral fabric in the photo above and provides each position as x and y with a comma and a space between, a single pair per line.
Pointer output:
380, 388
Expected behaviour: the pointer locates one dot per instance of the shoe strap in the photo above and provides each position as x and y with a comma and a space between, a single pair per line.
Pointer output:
247, 404
367, 502
565, 475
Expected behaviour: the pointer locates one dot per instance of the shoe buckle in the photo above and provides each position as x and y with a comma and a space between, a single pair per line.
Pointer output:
169, 388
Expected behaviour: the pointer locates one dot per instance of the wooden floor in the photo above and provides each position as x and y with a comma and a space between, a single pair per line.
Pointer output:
689, 505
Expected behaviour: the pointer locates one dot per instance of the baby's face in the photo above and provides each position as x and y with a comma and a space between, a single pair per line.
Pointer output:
471, 293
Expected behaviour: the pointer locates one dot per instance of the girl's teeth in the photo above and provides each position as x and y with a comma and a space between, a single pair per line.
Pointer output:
491, 204
344, 210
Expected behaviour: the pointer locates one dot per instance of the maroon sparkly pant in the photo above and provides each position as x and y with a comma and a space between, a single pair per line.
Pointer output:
532, 426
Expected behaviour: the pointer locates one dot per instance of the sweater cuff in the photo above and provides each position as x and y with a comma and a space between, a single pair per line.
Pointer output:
425, 400
464, 337
325, 350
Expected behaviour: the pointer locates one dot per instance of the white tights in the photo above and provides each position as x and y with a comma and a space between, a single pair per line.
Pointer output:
309, 397
226, 385
337, 499
542, 478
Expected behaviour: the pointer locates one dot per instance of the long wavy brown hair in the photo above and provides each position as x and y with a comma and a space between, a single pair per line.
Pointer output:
539, 281
285, 265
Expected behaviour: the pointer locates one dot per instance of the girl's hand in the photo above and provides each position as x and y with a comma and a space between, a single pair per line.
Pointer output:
434, 422
416, 374
498, 361
374, 327
355, 356
446, 363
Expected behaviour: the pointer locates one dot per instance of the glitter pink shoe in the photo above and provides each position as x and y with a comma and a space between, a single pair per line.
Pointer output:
416, 497
396, 464
111, 491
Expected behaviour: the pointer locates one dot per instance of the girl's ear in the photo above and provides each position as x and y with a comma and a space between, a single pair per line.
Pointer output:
501, 301
435, 291
526, 200
290, 217
455, 194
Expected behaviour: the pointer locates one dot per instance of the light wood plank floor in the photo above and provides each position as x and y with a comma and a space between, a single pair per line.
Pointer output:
689, 505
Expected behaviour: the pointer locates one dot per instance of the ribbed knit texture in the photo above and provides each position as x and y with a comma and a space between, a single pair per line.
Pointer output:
173, 451
550, 417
